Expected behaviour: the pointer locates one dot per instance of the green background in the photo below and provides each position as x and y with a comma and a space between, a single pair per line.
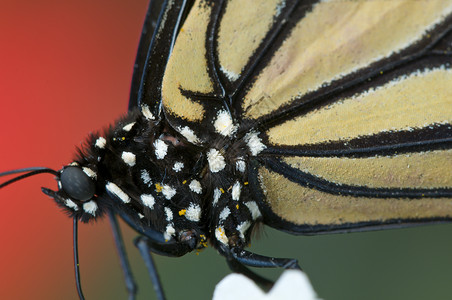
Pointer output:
410, 263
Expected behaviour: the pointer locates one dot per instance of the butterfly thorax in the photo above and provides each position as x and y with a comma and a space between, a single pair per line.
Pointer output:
186, 191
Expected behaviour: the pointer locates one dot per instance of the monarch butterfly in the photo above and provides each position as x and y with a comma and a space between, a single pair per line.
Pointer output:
45, 184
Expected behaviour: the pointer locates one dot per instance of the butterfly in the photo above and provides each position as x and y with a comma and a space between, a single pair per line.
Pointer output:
267, 107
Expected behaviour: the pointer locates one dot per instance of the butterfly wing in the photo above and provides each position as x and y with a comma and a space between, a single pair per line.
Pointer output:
149, 27
352, 100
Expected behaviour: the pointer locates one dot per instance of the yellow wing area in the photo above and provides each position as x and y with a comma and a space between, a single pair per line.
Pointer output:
236, 45
409, 170
306, 206
335, 39
417, 101
412, 101
187, 67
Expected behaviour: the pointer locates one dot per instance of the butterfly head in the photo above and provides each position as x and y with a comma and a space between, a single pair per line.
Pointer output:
77, 192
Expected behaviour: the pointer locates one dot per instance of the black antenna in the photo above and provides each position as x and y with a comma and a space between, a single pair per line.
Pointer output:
76, 261
31, 172
38, 170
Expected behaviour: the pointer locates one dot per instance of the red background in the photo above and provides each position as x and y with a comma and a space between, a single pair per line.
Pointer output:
65, 69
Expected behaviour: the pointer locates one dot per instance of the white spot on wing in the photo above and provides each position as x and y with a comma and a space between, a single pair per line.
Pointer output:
147, 112
225, 213
254, 209
223, 124
89, 172
113, 188
168, 191
279, 8
236, 189
232, 76
71, 204
90, 207
100, 142
242, 228
220, 235
161, 149
128, 126
178, 166
148, 200
189, 134
254, 143
193, 212
129, 158
195, 186
216, 160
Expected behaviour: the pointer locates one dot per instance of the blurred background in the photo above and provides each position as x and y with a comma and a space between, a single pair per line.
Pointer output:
65, 69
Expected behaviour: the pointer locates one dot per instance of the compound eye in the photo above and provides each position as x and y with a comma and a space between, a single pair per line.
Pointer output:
77, 184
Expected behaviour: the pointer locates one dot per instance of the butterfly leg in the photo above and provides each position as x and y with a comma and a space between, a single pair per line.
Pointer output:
146, 245
238, 259
128, 276
142, 243
255, 260
238, 267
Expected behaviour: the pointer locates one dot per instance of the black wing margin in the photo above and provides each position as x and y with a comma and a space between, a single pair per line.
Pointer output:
160, 29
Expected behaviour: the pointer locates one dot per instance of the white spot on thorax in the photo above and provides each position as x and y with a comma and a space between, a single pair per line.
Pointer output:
71, 204
148, 200
236, 189
254, 209
178, 166
146, 178
100, 143
113, 188
168, 191
195, 186
170, 231
223, 124
89, 172
161, 149
128, 126
240, 165
141, 216
242, 228
225, 213
129, 158
90, 207
254, 143
220, 235
169, 214
216, 196
147, 112
216, 160
193, 213
189, 134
